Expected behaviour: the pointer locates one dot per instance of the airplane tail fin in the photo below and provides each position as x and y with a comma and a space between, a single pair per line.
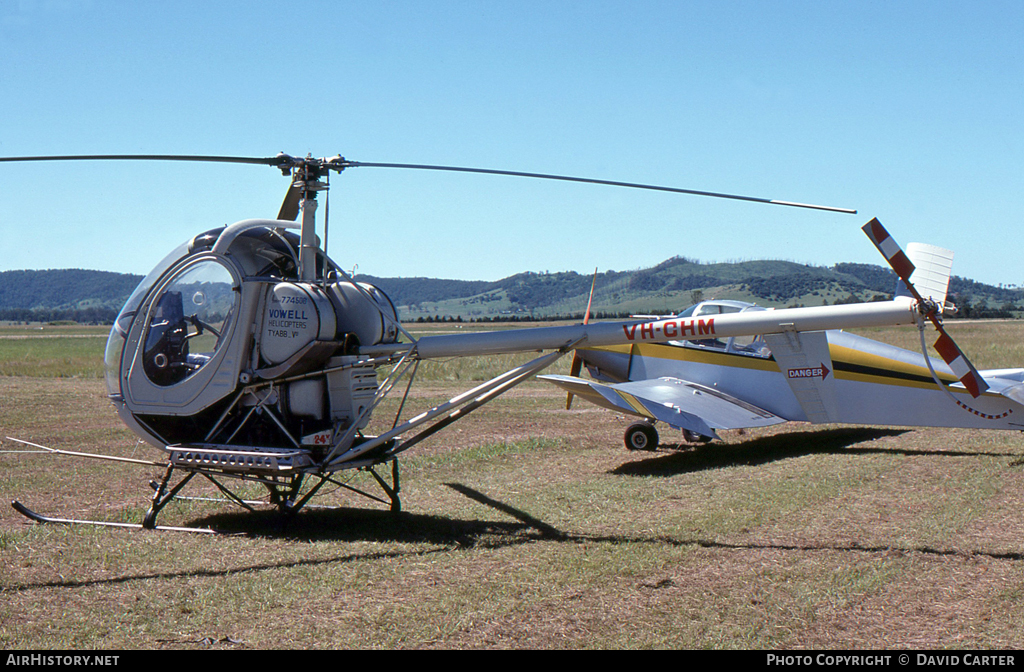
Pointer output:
932, 268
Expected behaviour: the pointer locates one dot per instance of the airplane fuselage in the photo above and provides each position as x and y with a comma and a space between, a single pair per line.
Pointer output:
868, 382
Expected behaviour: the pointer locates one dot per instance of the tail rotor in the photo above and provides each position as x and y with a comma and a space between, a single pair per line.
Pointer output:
945, 345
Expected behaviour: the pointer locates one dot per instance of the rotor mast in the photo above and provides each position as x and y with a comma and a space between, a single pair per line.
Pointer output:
301, 197
308, 180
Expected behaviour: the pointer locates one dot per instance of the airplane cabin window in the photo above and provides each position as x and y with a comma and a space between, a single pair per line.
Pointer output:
717, 309
745, 345
750, 345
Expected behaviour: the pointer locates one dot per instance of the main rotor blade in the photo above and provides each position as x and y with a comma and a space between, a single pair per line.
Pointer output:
285, 162
266, 161
588, 180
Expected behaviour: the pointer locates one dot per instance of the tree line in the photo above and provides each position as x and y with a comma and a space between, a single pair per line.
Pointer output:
79, 315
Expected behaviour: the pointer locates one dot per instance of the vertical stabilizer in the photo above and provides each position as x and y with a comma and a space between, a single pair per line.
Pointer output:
931, 273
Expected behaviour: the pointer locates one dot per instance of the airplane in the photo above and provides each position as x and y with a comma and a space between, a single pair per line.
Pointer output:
247, 355
703, 384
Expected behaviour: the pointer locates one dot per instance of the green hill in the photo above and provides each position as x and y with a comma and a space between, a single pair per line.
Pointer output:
67, 288
96, 296
65, 294
671, 286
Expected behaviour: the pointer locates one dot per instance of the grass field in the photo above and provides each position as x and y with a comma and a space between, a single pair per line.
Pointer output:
524, 526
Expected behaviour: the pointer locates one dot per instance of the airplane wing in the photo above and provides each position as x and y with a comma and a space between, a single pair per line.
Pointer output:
676, 402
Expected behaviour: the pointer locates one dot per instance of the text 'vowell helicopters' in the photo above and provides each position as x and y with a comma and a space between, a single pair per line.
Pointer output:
249, 355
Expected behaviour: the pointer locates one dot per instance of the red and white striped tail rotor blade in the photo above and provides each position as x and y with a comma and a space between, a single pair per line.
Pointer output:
891, 250
961, 366
945, 346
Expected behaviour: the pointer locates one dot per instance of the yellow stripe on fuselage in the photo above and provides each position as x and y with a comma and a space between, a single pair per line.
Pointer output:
687, 354
847, 363
881, 369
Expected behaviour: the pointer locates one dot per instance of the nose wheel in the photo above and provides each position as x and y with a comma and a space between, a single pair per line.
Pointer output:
641, 436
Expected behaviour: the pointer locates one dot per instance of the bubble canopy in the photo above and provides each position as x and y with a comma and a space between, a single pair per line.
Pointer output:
190, 297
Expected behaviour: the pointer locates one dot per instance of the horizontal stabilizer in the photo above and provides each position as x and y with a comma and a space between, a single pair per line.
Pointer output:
1014, 393
1007, 382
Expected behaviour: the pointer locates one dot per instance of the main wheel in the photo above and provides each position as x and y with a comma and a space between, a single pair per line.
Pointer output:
641, 436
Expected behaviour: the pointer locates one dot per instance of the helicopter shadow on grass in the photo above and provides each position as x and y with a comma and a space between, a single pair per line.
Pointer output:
443, 534
420, 534
356, 524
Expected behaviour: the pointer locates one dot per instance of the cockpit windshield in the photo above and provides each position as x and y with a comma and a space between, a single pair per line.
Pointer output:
688, 312
187, 322
186, 327
123, 323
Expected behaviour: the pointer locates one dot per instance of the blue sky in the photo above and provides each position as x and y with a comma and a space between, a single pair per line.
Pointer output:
906, 111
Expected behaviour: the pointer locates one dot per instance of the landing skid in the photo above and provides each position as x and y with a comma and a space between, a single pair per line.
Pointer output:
285, 492
284, 484
39, 518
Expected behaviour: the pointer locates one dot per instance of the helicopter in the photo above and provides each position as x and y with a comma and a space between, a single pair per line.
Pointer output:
247, 355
